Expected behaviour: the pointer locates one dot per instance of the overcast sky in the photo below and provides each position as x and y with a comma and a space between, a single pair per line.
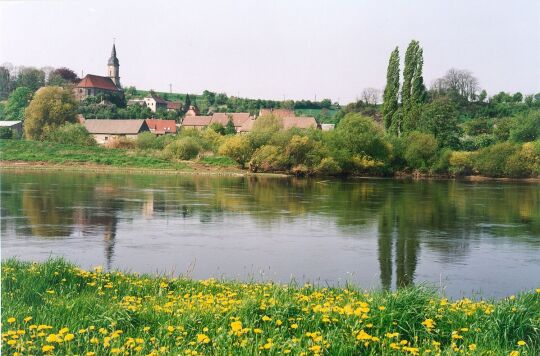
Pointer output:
276, 49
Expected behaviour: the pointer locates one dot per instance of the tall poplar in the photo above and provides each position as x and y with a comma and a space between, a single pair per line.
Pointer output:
391, 91
413, 92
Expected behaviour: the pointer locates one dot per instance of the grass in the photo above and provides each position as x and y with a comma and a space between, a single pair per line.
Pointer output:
36, 151
57, 307
219, 161
321, 115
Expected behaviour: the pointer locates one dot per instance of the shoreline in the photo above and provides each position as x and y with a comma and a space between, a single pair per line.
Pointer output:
194, 168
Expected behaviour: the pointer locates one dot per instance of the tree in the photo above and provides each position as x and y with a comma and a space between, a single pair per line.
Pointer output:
458, 84
31, 78
413, 93
440, 118
71, 134
230, 129
370, 96
51, 107
187, 103
5, 82
17, 103
62, 76
391, 91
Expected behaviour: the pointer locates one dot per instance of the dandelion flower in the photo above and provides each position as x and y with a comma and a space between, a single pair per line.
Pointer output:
521, 343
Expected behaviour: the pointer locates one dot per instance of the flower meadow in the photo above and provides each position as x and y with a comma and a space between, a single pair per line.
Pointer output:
57, 308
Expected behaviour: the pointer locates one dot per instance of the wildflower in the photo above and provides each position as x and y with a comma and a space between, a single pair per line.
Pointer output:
472, 347
521, 343
27, 319
90, 353
12, 342
203, 339
257, 331
382, 307
63, 331
315, 348
170, 328
236, 326
294, 326
47, 348
266, 318
94, 340
69, 337
362, 335
279, 322
146, 328
11, 320
514, 353
429, 324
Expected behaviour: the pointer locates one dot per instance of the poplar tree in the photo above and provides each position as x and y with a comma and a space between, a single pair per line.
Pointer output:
413, 92
391, 91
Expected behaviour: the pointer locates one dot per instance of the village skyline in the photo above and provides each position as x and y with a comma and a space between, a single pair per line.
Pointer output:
289, 51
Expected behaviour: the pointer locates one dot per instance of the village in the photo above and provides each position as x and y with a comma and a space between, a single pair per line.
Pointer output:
107, 130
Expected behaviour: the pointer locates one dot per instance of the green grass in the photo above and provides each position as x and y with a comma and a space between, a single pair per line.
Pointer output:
321, 115
219, 161
55, 304
36, 151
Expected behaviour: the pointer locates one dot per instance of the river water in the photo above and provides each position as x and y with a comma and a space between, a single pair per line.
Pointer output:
466, 239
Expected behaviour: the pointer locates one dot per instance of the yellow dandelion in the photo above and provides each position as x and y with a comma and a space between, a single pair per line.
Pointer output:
521, 343
11, 320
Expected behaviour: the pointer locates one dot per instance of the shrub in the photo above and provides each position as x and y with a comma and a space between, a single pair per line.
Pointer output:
491, 161
211, 140
461, 163
184, 148
526, 128
237, 147
121, 142
328, 166
267, 158
263, 130
6, 132
147, 140
442, 164
217, 127
524, 163
71, 134
421, 150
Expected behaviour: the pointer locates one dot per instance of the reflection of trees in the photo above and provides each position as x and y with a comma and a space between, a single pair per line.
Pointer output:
436, 216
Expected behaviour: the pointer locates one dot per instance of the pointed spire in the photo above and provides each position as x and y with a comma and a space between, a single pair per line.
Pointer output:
113, 60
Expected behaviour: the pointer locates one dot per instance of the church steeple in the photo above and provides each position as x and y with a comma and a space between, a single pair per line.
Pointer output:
113, 67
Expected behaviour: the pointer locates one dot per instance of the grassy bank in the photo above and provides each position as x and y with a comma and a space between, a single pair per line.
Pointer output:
55, 153
59, 308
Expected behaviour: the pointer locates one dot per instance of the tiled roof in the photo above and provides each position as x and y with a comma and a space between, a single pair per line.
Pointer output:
116, 127
277, 112
196, 120
238, 118
247, 126
158, 99
161, 126
301, 122
174, 105
98, 82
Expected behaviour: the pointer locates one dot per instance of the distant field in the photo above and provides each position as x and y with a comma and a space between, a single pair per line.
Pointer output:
321, 115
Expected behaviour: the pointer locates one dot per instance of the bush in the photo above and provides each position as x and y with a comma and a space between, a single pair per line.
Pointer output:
217, 127
328, 166
147, 140
442, 164
526, 128
461, 163
524, 163
238, 148
71, 134
184, 148
6, 133
268, 158
421, 150
492, 161
121, 142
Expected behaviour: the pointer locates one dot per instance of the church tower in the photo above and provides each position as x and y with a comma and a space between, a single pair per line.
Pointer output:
113, 67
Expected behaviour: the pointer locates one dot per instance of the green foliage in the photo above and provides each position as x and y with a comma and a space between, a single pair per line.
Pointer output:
30, 77
6, 133
268, 158
440, 119
17, 103
391, 91
461, 163
71, 134
526, 127
51, 107
219, 161
217, 127
184, 148
421, 150
413, 92
147, 140
328, 166
230, 129
238, 148
492, 161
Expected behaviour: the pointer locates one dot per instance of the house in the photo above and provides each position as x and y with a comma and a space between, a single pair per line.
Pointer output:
161, 127
196, 122
281, 113
174, 106
192, 111
328, 127
107, 130
300, 122
96, 85
155, 103
15, 126
199, 122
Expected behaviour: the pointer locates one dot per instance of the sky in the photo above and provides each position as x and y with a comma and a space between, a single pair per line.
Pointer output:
274, 49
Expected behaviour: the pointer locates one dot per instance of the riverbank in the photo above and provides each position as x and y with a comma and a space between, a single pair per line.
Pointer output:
55, 307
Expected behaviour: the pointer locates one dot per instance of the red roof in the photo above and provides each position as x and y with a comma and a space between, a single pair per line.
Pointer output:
161, 126
174, 105
98, 82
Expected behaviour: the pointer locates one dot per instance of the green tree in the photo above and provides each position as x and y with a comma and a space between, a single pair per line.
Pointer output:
413, 92
71, 134
440, 118
31, 78
421, 150
187, 103
51, 107
17, 103
5, 82
230, 129
391, 92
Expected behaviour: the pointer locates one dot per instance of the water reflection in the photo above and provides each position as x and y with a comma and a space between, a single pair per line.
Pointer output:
441, 219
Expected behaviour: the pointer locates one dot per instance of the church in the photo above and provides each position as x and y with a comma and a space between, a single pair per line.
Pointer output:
99, 86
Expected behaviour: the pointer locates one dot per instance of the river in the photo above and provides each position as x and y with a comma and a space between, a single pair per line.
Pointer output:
466, 239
